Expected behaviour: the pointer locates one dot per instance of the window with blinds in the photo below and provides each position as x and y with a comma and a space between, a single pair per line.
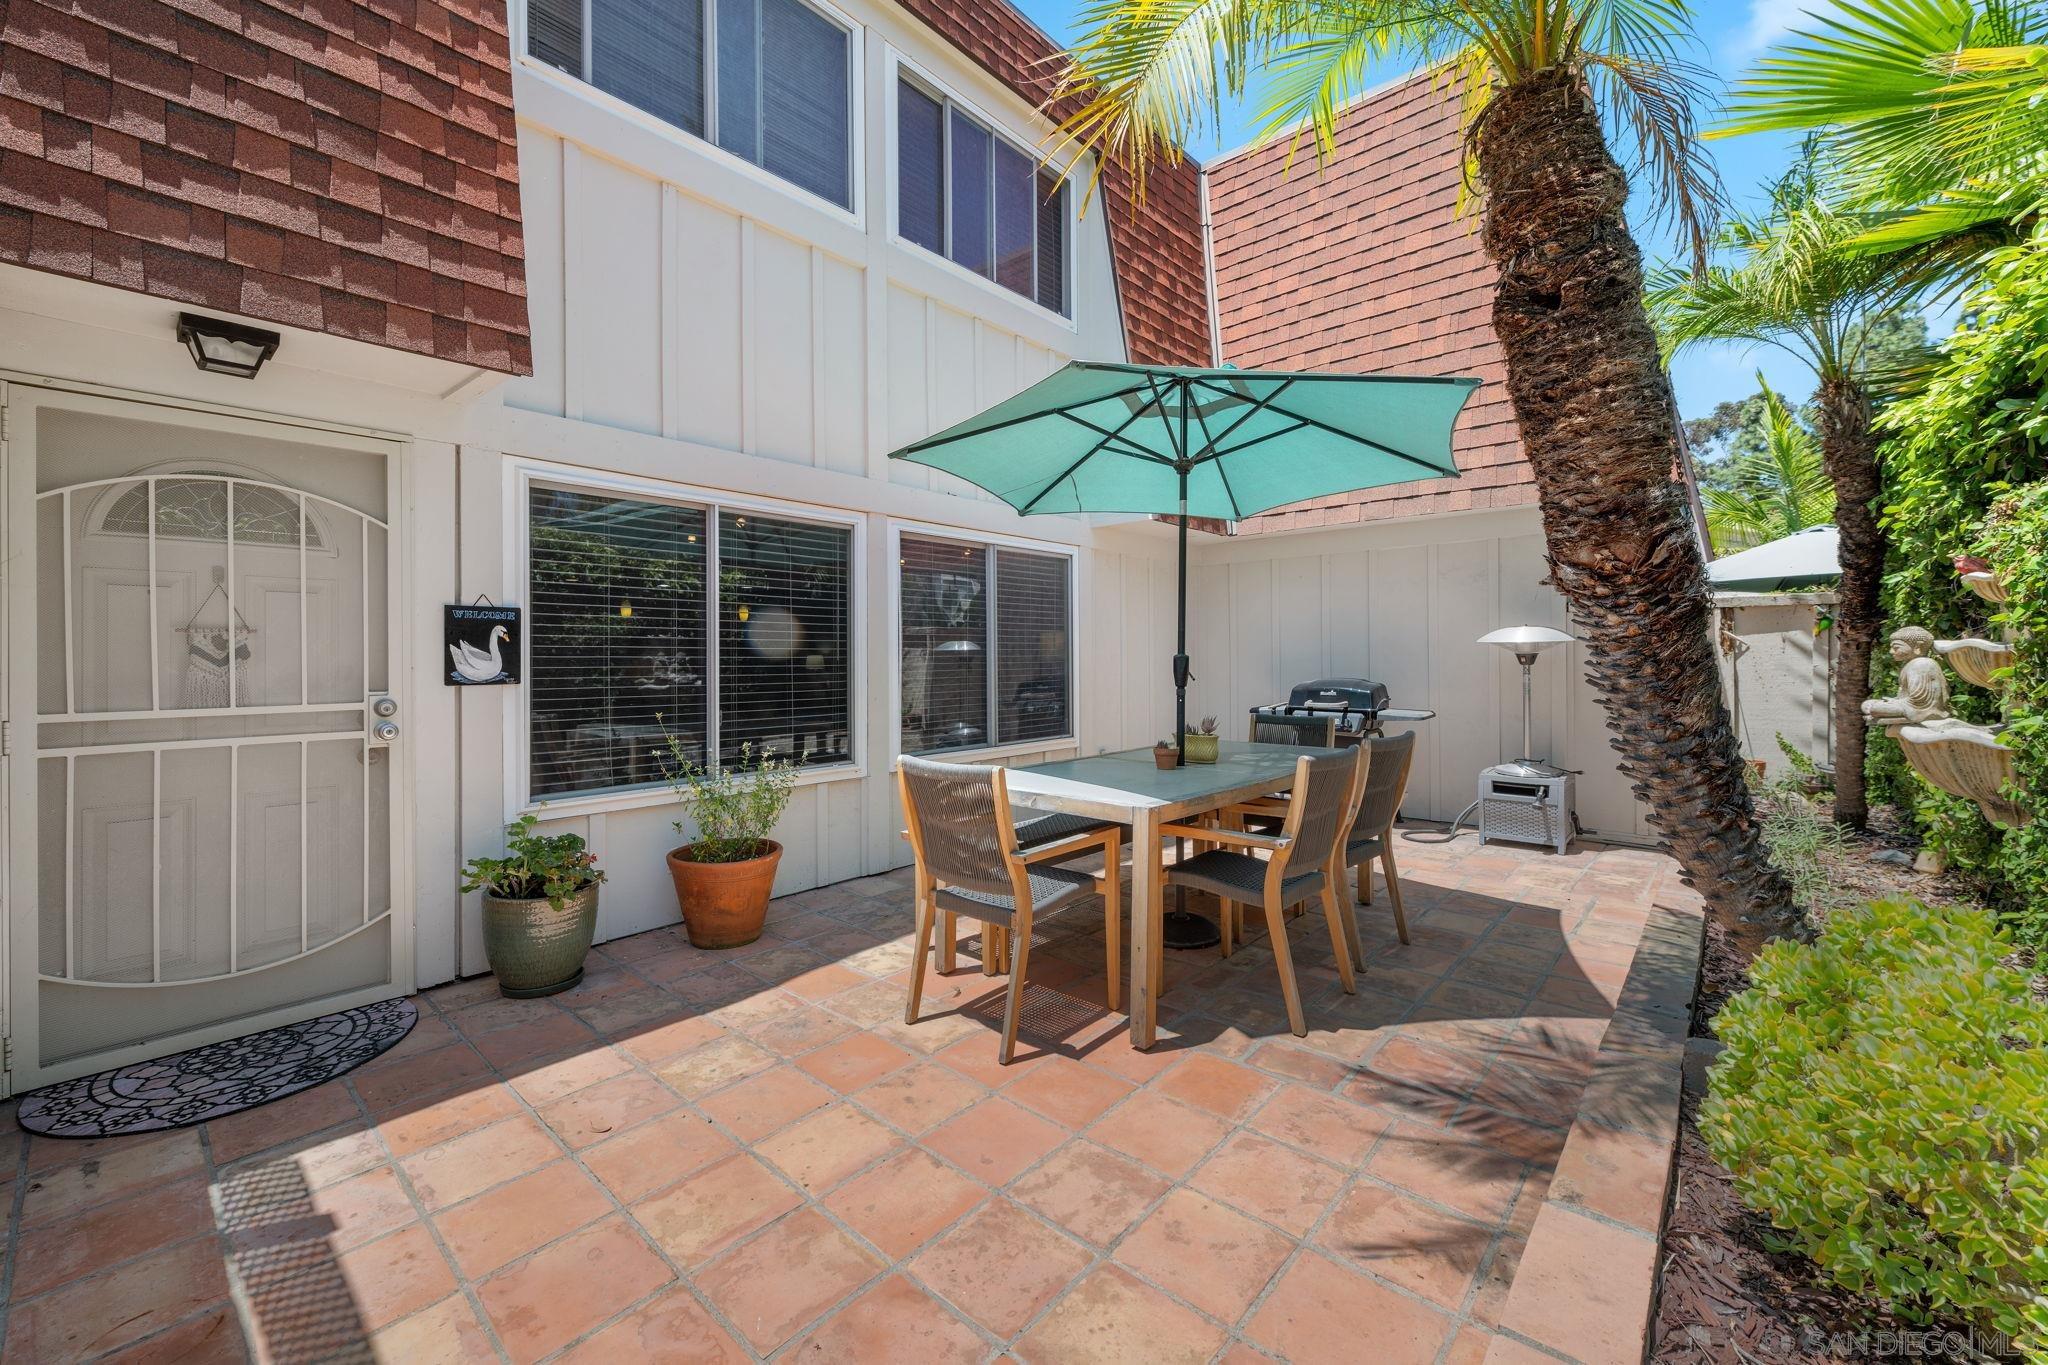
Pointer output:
973, 196
782, 73
620, 629
985, 647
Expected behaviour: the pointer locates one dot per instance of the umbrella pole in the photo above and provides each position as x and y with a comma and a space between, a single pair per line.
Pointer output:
1182, 927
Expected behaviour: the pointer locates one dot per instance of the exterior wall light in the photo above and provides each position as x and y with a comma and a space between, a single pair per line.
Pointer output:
226, 347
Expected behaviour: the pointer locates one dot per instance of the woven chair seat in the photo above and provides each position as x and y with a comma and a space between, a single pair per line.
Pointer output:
1041, 830
1361, 850
1052, 888
1236, 876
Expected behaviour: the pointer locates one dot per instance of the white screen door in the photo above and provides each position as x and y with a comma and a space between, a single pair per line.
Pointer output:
205, 799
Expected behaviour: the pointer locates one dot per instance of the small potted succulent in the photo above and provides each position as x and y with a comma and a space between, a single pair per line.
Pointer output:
725, 876
1201, 742
540, 909
1165, 755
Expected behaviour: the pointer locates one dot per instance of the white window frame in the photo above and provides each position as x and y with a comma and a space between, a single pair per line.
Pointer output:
899, 68
1070, 738
522, 475
707, 144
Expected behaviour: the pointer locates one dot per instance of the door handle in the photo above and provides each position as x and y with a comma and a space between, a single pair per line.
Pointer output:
385, 730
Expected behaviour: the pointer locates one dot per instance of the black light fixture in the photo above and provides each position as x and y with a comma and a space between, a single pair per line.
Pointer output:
226, 347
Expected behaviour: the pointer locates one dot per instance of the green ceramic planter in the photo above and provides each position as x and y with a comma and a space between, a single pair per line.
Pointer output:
536, 949
1200, 748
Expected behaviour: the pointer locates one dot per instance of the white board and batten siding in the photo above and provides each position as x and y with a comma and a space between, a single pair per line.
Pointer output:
1404, 602
702, 330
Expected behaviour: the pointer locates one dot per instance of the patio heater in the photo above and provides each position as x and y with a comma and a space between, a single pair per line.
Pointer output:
1525, 643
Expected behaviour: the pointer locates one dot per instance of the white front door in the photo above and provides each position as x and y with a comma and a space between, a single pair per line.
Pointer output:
203, 684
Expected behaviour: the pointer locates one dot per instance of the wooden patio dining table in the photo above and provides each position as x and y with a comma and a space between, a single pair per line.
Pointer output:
1129, 788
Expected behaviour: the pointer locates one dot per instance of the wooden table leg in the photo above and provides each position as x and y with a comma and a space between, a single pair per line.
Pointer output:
1147, 903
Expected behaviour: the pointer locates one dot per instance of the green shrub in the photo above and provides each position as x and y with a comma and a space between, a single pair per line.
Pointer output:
1883, 1099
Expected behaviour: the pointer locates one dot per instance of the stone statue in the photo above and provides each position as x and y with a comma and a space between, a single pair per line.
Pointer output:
1923, 688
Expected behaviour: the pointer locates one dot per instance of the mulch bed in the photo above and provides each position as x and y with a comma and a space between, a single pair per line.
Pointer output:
1725, 1296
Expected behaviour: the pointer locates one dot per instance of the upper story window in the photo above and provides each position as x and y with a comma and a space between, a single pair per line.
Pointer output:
768, 80
972, 195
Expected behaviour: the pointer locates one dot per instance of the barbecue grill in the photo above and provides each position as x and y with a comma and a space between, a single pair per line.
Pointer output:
1360, 705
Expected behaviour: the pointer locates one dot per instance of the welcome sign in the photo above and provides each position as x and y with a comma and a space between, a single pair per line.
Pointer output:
483, 645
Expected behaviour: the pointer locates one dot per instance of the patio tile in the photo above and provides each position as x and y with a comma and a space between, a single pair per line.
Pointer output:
1090, 1191
71, 1248
763, 1103
1001, 1266
1330, 1127
1620, 1175
1318, 1310
545, 1035
416, 1078
774, 1285
921, 1096
415, 1130
655, 1155
799, 1030
213, 1337
1112, 1317
660, 1040
824, 1149
1068, 1092
387, 1279
1224, 1088
327, 1157
1475, 1179
823, 981
1296, 1063
596, 1112
673, 1329
363, 1207
87, 1317
714, 1208
455, 1170
713, 1066
112, 1173
903, 1202
1597, 1318
541, 1083
447, 1333
1420, 1248
1164, 1134
547, 1301
854, 1062
895, 1321
266, 1126
1269, 1181
1212, 1256
994, 1140
498, 1227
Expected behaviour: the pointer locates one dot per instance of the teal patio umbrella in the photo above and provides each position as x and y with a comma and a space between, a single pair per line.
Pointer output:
1226, 443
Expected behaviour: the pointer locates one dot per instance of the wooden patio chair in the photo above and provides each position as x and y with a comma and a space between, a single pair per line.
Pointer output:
970, 862
1302, 865
1372, 833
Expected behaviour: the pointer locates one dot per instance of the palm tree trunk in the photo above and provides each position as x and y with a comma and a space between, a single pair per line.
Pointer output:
1589, 394
1849, 448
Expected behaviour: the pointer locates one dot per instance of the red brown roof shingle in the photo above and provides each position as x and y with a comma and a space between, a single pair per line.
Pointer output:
345, 166
1366, 265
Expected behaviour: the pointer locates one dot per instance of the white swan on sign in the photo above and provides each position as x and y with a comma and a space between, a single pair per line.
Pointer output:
474, 664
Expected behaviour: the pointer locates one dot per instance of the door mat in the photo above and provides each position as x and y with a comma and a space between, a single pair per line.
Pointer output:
216, 1080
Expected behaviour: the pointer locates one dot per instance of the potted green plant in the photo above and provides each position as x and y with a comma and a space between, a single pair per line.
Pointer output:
725, 876
540, 909
1201, 743
1165, 755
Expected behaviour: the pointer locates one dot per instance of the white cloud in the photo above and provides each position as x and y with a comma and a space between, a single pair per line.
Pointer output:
1770, 20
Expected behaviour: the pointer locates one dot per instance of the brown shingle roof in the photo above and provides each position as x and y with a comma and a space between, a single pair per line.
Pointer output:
1155, 241
346, 166
1366, 265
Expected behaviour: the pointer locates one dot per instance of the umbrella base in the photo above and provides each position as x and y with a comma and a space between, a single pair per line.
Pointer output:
1184, 929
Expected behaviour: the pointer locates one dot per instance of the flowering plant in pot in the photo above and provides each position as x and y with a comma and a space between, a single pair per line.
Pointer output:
540, 909
1201, 743
724, 877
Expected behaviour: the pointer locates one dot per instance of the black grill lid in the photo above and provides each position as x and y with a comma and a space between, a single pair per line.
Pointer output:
1332, 694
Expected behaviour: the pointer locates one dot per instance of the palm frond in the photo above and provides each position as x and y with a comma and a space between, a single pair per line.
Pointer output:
1777, 490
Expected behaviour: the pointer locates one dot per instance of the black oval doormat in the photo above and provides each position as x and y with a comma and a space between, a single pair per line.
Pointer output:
216, 1080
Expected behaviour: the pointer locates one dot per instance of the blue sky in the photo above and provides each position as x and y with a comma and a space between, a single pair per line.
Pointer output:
1732, 33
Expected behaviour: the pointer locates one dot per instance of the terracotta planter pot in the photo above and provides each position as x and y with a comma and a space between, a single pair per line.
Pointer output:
723, 904
1165, 758
535, 949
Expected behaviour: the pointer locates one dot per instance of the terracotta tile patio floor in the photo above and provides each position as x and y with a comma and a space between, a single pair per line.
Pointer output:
700, 1156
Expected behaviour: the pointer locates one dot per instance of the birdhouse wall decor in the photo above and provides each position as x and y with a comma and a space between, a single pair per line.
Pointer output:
483, 645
